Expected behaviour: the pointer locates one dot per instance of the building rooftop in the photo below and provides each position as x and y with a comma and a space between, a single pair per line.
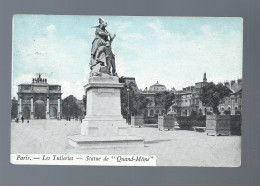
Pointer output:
157, 84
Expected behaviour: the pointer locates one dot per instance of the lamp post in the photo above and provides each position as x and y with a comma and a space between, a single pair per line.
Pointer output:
128, 105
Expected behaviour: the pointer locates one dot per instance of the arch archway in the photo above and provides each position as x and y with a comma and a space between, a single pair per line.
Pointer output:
39, 109
53, 112
26, 112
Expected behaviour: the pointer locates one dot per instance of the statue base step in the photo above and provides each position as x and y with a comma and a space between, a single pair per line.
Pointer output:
105, 133
87, 142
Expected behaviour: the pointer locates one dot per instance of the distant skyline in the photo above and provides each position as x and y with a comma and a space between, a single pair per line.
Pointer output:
176, 51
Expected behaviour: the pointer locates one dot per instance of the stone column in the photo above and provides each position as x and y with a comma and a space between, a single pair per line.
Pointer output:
32, 111
58, 114
47, 108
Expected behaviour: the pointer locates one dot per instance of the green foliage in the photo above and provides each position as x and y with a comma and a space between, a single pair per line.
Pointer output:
164, 99
137, 102
211, 95
70, 107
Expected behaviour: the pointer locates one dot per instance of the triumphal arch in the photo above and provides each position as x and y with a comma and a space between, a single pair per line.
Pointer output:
39, 100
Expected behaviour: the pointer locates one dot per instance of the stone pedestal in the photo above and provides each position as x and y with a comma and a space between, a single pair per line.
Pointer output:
166, 122
104, 126
218, 125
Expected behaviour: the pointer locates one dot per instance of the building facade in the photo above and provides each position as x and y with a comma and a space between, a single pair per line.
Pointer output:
39, 100
188, 100
129, 80
233, 103
153, 110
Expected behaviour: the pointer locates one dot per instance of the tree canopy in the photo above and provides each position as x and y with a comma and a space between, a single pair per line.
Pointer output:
70, 107
137, 102
212, 94
164, 99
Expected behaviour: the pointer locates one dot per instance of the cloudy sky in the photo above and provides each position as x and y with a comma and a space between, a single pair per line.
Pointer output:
175, 51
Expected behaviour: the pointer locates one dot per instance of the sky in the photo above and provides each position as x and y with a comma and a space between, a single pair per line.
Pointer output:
176, 51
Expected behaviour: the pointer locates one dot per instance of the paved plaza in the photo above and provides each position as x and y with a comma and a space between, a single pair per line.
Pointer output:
172, 148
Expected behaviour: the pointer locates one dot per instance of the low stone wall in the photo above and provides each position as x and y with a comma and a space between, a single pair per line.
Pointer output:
187, 122
150, 120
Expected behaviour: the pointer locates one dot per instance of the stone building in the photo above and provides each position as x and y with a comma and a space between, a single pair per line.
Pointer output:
39, 100
187, 100
153, 110
233, 103
128, 81
157, 87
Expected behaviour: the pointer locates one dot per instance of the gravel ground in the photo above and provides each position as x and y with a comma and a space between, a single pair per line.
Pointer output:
172, 148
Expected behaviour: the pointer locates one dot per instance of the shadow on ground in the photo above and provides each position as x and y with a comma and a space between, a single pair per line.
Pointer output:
155, 141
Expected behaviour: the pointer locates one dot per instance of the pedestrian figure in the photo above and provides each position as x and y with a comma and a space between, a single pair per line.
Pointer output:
22, 119
28, 121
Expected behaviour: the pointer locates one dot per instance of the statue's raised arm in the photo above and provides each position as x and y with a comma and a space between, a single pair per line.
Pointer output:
102, 60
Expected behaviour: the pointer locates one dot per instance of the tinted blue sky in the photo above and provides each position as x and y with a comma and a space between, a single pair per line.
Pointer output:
175, 51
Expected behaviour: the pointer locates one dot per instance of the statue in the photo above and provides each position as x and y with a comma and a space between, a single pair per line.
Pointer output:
102, 60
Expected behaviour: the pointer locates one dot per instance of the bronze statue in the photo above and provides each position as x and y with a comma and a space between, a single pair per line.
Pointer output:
102, 60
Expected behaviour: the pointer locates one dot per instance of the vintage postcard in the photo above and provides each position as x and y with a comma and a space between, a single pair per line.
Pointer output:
126, 90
